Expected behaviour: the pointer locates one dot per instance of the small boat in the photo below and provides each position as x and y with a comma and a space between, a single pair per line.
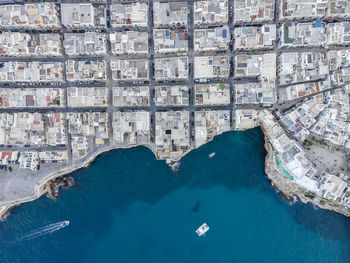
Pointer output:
66, 223
202, 229
211, 155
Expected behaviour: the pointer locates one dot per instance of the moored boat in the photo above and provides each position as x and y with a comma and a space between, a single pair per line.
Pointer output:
202, 229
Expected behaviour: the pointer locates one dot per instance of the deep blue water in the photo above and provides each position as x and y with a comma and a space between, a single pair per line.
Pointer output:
128, 207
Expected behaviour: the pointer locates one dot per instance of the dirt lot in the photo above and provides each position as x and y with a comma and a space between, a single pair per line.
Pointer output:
327, 158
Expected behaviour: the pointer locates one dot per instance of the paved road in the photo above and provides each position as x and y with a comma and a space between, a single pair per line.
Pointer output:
110, 83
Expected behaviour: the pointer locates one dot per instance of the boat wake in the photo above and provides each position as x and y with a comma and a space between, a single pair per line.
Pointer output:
44, 231
315, 207
175, 167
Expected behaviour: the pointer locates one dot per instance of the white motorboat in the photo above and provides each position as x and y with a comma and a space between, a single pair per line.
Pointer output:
202, 229
211, 155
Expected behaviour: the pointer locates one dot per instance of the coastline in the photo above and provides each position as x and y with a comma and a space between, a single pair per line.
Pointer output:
42, 186
116, 191
289, 189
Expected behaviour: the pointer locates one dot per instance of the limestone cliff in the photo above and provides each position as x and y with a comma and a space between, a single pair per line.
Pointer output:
291, 189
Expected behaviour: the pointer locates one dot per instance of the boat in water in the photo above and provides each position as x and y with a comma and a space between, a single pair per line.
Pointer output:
202, 229
45, 230
211, 155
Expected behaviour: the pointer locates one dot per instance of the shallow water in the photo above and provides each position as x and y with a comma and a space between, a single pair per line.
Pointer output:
128, 207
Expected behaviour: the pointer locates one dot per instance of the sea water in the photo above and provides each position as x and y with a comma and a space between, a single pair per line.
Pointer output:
129, 207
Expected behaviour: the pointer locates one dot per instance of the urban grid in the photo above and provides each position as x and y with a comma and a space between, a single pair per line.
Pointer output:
81, 77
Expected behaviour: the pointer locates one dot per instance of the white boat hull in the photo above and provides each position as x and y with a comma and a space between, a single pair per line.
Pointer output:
202, 229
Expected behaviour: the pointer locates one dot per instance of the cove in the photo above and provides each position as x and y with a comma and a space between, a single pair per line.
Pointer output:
129, 207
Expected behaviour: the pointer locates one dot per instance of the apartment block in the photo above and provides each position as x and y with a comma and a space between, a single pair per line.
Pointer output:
302, 34
24, 128
129, 42
305, 66
170, 41
339, 66
90, 70
171, 95
255, 37
338, 33
212, 39
31, 97
255, 93
213, 12
305, 89
24, 45
83, 15
129, 69
88, 43
13, 71
209, 124
250, 11
40, 16
172, 134
291, 9
131, 128
171, 68
131, 96
87, 97
245, 119
211, 67
133, 14
170, 14
262, 66
212, 94
87, 129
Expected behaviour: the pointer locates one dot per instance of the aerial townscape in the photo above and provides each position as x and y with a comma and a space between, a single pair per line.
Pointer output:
81, 78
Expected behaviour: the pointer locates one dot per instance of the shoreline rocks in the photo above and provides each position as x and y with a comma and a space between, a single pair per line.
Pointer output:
289, 189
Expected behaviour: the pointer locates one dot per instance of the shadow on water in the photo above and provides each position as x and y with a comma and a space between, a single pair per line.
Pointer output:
150, 180
117, 179
196, 207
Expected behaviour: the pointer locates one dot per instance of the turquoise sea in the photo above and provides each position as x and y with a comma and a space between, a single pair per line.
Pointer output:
129, 207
